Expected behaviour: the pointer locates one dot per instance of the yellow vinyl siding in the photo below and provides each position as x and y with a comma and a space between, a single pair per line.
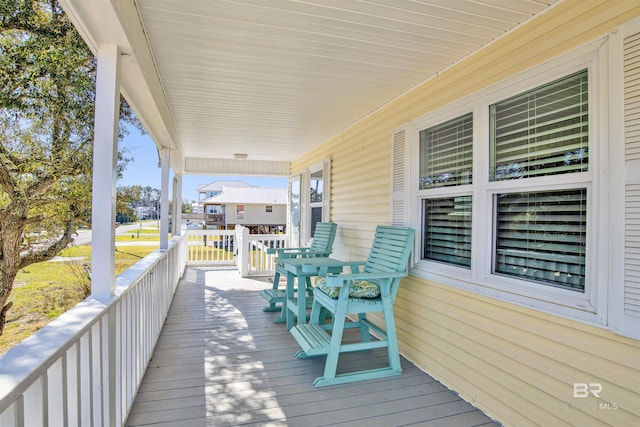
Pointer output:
476, 343
515, 363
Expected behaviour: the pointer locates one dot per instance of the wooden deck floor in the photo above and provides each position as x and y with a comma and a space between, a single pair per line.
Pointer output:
221, 361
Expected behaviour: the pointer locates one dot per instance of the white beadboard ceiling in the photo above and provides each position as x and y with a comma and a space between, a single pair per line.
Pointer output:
275, 78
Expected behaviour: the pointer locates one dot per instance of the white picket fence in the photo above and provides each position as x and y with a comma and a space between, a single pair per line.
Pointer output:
234, 247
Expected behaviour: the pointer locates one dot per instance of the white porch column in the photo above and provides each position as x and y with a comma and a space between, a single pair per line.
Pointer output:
164, 199
105, 157
177, 204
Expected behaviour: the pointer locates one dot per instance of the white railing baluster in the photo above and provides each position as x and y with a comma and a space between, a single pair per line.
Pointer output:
210, 247
56, 393
256, 260
73, 385
85, 380
95, 361
33, 410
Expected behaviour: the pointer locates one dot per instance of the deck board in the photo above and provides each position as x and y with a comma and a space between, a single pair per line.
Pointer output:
221, 361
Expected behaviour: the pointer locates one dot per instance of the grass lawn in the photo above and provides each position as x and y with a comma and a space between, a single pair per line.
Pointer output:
45, 290
149, 233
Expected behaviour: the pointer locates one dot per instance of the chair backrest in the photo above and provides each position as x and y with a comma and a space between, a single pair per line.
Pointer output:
323, 237
390, 251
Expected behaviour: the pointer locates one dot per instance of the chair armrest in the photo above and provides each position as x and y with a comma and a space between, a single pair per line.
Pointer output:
338, 280
324, 270
278, 251
296, 252
287, 250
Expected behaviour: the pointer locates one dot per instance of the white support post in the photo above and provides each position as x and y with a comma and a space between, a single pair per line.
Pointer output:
177, 205
164, 199
105, 156
244, 256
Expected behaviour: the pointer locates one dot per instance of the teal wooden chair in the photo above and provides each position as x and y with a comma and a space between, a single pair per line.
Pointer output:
321, 246
374, 289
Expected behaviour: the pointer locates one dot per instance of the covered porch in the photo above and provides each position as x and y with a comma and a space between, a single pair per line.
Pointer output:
185, 342
221, 361
336, 95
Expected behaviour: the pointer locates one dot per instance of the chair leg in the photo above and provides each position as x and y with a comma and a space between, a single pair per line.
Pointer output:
392, 340
272, 305
316, 310
331, 363
365, 334
289, 315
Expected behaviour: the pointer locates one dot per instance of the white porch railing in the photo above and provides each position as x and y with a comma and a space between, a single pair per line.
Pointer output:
252, 257
210, 247
234, 247
85, 367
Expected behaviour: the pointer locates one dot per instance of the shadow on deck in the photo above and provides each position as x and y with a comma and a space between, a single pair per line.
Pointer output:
221, 361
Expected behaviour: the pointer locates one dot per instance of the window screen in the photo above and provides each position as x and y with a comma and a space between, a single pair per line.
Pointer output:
541, 236
447, 230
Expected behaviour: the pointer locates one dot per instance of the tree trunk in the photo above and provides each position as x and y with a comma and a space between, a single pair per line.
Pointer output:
11, 230
3, 316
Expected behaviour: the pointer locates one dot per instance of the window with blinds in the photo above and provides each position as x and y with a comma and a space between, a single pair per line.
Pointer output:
541, 236
544, 131
446, 153
507, 191
447, 230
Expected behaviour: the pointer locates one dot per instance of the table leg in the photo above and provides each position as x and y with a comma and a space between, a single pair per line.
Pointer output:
302, 299
286, 310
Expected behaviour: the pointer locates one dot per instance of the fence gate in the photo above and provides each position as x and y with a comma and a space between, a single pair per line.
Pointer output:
252, 257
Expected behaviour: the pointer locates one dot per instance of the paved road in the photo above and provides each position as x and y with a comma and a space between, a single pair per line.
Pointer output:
84, 236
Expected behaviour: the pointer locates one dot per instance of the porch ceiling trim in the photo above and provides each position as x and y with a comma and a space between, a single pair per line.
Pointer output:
274, 80
209, 166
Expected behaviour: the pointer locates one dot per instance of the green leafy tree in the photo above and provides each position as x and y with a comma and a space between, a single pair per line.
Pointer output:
127, 199
187, 206
47, 92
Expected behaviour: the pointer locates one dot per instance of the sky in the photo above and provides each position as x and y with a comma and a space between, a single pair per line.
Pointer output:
143, 170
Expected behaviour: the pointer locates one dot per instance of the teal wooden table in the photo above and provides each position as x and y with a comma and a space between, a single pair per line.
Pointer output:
295, 303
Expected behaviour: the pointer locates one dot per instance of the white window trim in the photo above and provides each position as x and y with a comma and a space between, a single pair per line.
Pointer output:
590, 306
294, 230
305, 205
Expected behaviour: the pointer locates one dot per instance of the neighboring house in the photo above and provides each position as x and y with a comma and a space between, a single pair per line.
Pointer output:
214, 188
146, 212
206, 191
196, 208
263, 210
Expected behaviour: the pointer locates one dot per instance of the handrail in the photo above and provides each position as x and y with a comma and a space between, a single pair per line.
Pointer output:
85, 367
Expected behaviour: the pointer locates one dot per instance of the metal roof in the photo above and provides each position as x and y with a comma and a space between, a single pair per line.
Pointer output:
249, 196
